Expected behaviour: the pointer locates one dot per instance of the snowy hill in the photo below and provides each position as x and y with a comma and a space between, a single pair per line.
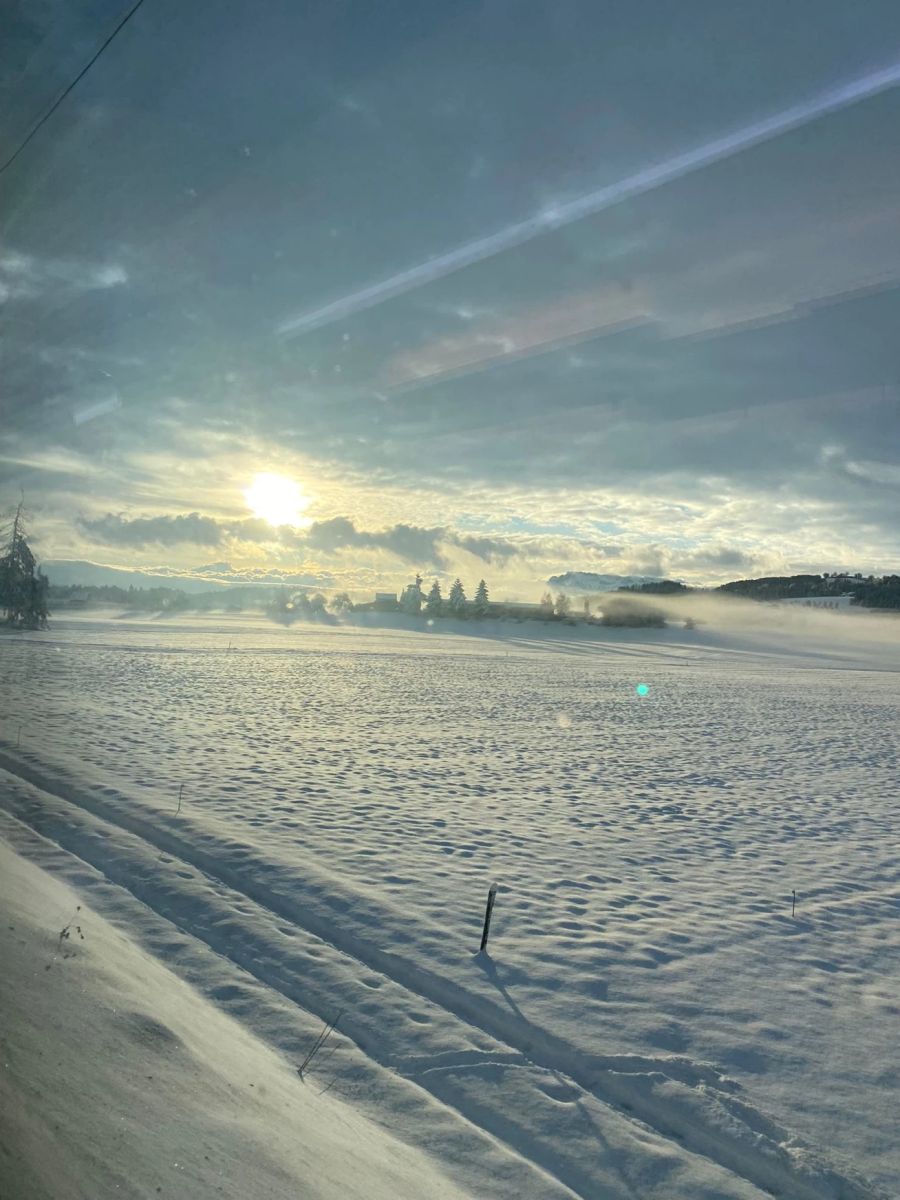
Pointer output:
64, 572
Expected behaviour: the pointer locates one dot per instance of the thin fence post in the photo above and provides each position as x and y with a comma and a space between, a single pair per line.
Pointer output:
793, 901
492, 896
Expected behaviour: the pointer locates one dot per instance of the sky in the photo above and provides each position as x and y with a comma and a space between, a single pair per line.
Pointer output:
502, 289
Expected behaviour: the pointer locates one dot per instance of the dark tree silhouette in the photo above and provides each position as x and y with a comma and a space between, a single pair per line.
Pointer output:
23, 589
435, 603
456, 601
482, 602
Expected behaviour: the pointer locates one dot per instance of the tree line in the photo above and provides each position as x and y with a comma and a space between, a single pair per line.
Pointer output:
456, 604
870, 591
26, 596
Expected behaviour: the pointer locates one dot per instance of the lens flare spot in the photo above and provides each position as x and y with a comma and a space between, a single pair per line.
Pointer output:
642, 689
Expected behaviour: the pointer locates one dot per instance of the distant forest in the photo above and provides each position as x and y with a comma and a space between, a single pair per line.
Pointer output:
287, 604
868, 591
871, 592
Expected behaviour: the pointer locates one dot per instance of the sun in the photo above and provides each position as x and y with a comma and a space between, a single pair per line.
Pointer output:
276, 499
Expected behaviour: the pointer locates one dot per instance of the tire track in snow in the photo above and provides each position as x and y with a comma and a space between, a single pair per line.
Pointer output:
87, 841
677, 1099
241, 949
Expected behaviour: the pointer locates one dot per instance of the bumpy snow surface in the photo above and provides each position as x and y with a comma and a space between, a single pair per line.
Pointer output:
119, 1080
305, 822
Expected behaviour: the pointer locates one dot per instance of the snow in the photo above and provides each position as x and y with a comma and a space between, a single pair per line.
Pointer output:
649, 1020
119, 1080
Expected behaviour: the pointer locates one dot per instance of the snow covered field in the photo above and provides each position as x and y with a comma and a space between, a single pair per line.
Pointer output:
119, 1080
306, 821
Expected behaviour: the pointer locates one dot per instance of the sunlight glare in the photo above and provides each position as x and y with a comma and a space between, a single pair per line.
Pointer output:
276, 499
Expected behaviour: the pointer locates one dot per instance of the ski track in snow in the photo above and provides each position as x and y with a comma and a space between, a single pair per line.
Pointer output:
348, 798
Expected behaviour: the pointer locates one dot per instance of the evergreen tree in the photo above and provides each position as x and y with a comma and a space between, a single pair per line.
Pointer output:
482, 602
457, 599
23, 589
435, 602
547, 605
562, 605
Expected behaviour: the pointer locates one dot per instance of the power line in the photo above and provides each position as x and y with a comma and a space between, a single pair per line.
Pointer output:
59, 99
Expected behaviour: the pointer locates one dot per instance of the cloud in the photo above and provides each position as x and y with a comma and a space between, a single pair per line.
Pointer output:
876, 472
48, 463
490, 549
224, 572
116, 530
27, 277
410, 543
255, 529
718, 557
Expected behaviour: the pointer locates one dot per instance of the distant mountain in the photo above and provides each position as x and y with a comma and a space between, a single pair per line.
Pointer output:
64, 572
588, 581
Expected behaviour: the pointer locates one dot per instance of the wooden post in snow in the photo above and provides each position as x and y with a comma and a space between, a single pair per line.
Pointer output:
492, 896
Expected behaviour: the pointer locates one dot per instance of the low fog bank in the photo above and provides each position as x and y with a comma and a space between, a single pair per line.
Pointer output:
696, 620
722, 614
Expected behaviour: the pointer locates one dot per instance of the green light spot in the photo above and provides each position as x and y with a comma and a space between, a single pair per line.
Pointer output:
642, 689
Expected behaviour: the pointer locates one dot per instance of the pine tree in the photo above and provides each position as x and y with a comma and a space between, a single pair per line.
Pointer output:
457, 599
562, 605
435, 603
482, 603
23, 589
547, 604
